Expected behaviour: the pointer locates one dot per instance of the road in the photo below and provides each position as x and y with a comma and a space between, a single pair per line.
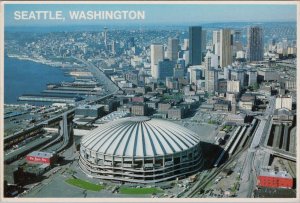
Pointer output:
251, 169
104, 80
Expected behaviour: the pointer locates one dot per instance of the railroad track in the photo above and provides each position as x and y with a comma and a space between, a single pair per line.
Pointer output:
214, 172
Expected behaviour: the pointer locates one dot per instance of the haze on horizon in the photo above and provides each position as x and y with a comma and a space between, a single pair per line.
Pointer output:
163, 13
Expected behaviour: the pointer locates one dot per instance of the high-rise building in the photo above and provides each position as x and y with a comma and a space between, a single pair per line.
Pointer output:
195, 45
225, 47
186, 57
255, 44
238, 40
211, 80
210, 60
157, 55
203, 41
172, 49
216, 42
185, 44
165, 69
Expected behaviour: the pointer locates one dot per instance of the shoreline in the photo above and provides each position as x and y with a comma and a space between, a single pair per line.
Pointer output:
40, 61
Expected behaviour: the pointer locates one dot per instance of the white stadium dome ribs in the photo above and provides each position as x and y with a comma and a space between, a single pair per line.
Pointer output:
140, 150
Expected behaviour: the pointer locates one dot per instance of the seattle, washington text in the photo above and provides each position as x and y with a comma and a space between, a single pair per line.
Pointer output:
80, 15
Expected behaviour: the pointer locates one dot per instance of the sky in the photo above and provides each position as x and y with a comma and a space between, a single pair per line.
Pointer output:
162, 13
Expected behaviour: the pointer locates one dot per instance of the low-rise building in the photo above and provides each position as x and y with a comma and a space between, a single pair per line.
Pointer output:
222, 105
39, 157
274, 179
233, 86
283, 102
89, 111
176, 113
164, 107
247, 102
139, 109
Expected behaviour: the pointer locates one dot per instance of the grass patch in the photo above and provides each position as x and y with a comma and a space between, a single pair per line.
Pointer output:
139, 191
84, 184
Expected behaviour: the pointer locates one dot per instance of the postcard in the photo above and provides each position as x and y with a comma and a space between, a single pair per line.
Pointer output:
149, 101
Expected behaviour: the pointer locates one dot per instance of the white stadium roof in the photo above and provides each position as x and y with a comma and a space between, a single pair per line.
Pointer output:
139, 137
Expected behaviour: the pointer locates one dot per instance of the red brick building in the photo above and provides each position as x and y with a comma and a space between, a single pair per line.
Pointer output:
37, 157
273, 179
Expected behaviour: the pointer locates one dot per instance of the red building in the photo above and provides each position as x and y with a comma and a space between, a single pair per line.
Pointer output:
37, 157
274, 179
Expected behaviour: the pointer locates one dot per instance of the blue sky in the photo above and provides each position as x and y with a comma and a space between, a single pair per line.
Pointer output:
163, 13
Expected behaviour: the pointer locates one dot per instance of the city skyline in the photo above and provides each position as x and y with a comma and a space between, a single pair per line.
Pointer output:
191, 13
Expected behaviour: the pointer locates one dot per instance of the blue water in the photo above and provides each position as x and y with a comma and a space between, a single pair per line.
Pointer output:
27, 77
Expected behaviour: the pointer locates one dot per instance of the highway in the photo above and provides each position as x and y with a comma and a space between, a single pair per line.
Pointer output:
248, 175
102, 78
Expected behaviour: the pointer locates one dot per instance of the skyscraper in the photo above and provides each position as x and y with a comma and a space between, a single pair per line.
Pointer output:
157, 55
255, 44
172, 49
225, 47
203, 41
185, 44
216, 42
195, 45
211, 74
211, 80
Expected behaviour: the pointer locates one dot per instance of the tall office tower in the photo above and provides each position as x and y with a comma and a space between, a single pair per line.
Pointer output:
216, 42
210, 60
255, 44
203, 41
186, 57
238, 46
165, 69
172, 49
157, 55
233, 104
105, 36
225, 47
211, 80
185, 44
211, 74
195, 45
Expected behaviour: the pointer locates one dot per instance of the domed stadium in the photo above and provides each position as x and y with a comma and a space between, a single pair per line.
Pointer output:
140, 150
